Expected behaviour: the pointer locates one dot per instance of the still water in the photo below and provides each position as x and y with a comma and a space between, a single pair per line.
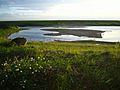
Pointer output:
111, 34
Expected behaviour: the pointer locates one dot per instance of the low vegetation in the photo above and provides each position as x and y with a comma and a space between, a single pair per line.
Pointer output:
58, 65
18, 41
62, 23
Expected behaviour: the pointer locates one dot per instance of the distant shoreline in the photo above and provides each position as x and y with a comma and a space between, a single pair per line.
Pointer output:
62, 23
78, 32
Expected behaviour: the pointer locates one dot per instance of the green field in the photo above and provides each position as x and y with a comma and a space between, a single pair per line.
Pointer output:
58, 65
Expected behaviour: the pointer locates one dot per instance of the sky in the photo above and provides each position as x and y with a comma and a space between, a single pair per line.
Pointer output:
59, 10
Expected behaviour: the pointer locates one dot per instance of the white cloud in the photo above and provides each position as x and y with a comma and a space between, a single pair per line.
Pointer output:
94, 9
67, 9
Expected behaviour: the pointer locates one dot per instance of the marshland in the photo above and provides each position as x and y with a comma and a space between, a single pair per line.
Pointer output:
60, 55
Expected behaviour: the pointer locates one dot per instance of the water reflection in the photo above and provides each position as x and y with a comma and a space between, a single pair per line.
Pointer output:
111, 34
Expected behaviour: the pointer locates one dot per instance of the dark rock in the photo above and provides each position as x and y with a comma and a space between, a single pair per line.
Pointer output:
19, 41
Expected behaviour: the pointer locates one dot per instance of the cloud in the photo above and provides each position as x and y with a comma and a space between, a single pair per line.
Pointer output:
28, 3
25, 7
108, 9
62, 9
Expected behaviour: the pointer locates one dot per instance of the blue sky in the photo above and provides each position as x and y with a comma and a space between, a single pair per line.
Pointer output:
59, 9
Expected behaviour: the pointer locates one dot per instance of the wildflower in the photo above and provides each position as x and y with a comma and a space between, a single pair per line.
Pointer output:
24, 81
50, 67
6, 75
30, 68
5, 61
17, 69
32, 72
35, 70
40, 67
5, 64
38, 57
18, 64
32, 59
23, 86
21, 60
21, 71
15, 62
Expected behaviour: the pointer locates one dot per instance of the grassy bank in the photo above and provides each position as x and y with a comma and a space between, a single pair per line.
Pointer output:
5, 31
58, 65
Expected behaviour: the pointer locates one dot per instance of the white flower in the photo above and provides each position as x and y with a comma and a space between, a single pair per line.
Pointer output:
24, 81
32, 72
5, 64
21, 71
38, 57
30, 68
6, 75
50, 67
3, 80
21, 60
35, 70
16, 66
23, 86
5, 61
40, 67
17, 69
32, 59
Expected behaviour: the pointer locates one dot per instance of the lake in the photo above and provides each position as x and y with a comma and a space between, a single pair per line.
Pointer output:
50, 34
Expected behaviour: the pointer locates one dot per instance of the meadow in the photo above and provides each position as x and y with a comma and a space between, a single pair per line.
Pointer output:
58, 65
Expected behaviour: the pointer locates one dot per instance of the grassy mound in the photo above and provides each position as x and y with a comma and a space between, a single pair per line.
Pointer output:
18, 41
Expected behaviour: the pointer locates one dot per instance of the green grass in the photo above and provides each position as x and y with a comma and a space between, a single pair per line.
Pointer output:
5, 31
59, 65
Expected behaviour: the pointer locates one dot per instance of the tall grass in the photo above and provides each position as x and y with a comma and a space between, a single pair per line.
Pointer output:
60, 66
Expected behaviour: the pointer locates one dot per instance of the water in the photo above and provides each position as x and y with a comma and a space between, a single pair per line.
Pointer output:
111, 34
